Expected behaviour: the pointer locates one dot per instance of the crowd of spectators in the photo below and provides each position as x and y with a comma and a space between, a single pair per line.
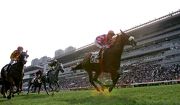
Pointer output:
74, 82
150, 72
134, 73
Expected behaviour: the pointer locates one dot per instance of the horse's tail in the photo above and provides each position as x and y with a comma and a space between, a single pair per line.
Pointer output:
77, 67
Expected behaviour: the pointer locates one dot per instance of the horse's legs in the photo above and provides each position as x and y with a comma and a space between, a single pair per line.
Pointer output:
19, 88
29, 87
50, 86
39, 88
97, 81
34, 89
57, 86
21, 85
114, 77
91, 80
44, 83
11, 91
3, 91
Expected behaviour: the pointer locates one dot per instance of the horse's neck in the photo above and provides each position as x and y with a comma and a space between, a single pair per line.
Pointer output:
54, 72
117, 50
57, 72
19, 65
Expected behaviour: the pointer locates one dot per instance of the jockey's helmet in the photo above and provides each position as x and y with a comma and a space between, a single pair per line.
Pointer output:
55, 60
20, 48
110, 32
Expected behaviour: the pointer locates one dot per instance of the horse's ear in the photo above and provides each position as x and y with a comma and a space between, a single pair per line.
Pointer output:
122, 32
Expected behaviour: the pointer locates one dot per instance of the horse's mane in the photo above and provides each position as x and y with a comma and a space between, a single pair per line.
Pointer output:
114, 40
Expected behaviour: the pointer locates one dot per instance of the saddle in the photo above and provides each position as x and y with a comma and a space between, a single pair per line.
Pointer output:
7, 68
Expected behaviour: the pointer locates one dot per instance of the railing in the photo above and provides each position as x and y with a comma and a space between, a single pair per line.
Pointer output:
156, 83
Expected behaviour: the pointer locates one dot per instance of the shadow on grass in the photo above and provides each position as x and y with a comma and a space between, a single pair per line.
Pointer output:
34, 96
3, 99
101, 100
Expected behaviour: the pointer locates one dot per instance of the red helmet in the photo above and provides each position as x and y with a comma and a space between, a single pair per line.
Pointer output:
20, 48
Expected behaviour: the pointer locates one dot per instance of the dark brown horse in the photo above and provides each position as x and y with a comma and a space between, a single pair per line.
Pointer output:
110, 62
35, 83
14, 76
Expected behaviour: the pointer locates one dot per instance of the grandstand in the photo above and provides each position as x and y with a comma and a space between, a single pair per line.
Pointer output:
157, 37
158, 47
156, 57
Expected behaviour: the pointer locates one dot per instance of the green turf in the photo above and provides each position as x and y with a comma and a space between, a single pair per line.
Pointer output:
154, 95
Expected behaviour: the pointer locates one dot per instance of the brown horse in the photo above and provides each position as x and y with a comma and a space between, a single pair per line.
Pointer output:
14, 76
110, 62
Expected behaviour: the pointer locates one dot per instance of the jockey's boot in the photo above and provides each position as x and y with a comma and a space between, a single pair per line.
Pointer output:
100, 53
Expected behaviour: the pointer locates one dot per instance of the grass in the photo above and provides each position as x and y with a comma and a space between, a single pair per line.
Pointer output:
153, 95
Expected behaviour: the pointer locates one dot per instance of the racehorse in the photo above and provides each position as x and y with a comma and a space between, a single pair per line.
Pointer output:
51, 78
35, 83
110, 62
13, 76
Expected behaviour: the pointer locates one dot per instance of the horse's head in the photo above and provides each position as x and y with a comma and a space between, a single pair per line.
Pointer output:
60, 67
124, 39
23, 57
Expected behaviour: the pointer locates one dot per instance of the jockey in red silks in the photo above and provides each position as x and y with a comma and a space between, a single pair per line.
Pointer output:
104, 41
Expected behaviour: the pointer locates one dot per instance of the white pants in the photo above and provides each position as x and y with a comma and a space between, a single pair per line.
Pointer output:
98, 45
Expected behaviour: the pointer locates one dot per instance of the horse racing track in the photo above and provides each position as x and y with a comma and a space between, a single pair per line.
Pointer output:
153, 95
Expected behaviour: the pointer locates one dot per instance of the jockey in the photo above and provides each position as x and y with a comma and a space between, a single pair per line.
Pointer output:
104, 41
53, 64
39, 74
15, 56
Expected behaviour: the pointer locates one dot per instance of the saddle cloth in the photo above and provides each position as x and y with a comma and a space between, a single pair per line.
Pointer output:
94, 57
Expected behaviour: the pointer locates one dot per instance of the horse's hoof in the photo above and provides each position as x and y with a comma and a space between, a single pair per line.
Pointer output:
103, 88
13, 95
53, 94
98, 90
110, 89
9, 97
